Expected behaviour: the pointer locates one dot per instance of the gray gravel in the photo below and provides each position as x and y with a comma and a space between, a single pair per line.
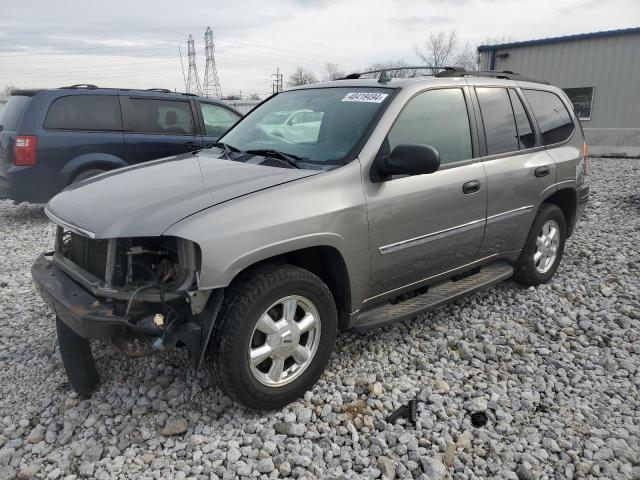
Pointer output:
556, 369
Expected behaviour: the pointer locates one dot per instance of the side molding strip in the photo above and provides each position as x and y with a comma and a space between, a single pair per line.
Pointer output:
510, 212
412, 242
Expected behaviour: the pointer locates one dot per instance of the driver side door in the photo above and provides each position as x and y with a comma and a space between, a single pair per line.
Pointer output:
425, 225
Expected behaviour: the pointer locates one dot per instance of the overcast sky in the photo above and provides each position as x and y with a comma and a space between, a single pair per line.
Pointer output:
135, 43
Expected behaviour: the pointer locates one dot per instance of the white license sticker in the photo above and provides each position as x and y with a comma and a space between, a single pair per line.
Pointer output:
369, 97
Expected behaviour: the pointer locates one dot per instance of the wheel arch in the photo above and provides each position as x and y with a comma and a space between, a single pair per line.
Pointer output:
567, 200
324, 261
90, 161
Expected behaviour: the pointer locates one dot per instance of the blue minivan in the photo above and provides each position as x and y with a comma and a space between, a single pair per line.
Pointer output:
54, 137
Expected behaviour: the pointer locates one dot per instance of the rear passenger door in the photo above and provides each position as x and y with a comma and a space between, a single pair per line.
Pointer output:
157, 127
215, 120
519, 171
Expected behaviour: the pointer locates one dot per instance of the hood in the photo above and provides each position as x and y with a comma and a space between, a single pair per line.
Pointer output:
146, 199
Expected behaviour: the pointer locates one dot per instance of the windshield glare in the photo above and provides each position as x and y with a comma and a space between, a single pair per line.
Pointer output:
317, 124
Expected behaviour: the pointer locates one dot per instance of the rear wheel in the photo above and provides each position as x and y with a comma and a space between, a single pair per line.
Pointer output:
274, 337
543, 251
92, 172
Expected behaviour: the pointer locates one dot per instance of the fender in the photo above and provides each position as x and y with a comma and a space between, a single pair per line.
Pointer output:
90, 160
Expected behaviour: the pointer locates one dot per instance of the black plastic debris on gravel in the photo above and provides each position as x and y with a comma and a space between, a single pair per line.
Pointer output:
479, 419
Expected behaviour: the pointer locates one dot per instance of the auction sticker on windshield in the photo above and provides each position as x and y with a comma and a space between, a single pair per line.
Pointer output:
370, 97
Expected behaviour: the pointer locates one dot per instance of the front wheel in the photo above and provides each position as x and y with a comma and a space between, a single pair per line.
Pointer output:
543, 251
275, 335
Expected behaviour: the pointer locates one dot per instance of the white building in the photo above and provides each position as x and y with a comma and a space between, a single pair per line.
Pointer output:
599, 71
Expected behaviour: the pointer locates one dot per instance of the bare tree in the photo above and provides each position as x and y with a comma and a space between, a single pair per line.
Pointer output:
332, 71
301, 76
392, 65
442, 49
6, 91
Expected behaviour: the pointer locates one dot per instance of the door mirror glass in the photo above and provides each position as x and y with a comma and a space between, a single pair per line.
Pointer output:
409, 159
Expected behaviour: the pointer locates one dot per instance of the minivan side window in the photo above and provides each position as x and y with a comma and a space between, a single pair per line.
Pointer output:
499, 123
217, 119
85, 112
438, 118
526, 136
553, 117
168, 117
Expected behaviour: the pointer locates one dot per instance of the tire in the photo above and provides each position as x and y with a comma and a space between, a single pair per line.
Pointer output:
77, 360
92, 172
266, 290
530, 270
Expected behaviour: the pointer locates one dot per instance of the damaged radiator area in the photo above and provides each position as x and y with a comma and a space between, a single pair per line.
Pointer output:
144, 287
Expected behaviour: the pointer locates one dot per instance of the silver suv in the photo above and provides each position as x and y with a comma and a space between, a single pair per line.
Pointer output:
398, 196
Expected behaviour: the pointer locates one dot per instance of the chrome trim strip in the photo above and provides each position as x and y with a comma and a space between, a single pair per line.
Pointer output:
566, 181
73, 228
412, 242
515, 210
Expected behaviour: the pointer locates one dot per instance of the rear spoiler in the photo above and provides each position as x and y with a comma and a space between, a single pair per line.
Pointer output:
26, 93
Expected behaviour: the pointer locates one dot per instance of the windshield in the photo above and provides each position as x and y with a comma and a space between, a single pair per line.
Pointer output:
318, 125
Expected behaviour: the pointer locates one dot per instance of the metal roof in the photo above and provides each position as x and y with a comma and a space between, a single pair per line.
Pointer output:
566, 38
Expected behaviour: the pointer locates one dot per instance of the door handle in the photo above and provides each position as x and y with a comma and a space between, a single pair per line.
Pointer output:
542, 171
471, 186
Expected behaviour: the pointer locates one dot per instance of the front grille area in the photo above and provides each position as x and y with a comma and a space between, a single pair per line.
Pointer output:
89, 254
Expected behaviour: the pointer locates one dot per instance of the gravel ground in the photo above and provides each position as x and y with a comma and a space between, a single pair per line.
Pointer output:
556, 369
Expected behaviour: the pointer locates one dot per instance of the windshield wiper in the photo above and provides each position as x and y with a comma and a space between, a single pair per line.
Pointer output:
288, 158
224, 146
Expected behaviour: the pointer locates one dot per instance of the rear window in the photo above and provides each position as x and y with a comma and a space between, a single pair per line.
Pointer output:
12, 112
526, 135
169, 117
553, 117
499, 123
85, 112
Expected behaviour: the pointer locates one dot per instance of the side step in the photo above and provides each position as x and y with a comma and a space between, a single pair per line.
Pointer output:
437, 295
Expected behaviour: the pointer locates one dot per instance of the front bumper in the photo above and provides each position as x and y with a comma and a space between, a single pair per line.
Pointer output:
84, 313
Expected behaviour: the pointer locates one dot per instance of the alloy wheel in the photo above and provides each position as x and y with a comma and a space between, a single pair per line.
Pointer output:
284, 341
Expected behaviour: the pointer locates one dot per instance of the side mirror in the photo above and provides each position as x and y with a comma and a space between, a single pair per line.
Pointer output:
409, 159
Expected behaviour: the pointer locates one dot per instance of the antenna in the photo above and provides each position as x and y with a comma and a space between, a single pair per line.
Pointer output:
211, 81
193, 81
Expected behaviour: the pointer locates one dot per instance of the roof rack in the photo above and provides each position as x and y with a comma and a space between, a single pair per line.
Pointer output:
506, 74
448, 72
160, 90
384, 77
88, 86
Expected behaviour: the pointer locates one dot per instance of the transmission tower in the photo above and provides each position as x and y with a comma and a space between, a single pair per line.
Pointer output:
193, 81
211, 80
277, 84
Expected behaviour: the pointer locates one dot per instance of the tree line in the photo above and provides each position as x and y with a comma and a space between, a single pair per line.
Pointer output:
439, 49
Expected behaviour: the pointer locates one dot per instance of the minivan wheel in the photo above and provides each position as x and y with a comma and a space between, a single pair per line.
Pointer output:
543, 251
274, 337
92, 172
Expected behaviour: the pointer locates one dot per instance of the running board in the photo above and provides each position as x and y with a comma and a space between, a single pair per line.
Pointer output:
437, 295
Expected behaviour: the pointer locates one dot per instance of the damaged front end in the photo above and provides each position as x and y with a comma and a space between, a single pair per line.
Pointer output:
140, 294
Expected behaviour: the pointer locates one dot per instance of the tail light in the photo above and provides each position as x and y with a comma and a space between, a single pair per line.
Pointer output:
585, 157
25, 150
